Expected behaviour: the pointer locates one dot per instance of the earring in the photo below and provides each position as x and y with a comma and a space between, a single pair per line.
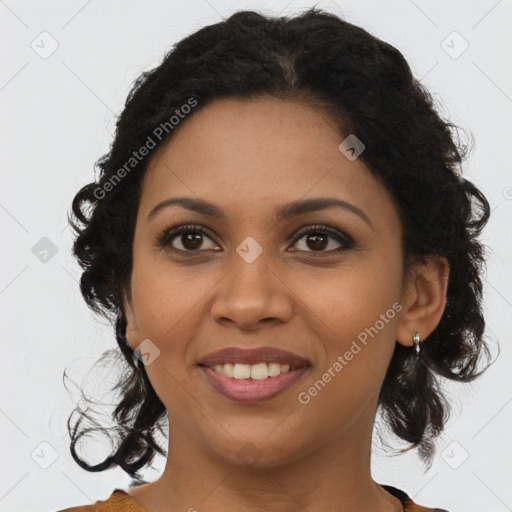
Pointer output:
416, 339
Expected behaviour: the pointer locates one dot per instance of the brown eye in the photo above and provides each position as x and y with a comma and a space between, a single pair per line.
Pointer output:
317, 239
192, 238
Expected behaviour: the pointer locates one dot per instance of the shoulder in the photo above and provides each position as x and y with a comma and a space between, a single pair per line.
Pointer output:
118, 501
414, 507
408, 503
411, 506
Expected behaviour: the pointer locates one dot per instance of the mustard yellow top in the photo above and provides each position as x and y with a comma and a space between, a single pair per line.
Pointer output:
121, 501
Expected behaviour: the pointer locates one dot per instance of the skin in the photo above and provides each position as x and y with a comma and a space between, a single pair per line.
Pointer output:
249, 157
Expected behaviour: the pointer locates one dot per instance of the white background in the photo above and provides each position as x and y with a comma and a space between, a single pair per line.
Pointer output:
58, 118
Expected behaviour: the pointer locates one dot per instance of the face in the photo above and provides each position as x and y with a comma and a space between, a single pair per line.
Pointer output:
324, 284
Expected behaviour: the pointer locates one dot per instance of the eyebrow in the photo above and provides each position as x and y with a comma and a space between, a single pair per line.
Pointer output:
284, 212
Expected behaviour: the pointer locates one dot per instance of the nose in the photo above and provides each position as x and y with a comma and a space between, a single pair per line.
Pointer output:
252, 295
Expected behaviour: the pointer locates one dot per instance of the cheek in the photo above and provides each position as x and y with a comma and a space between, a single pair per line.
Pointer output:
164, 295
357, 331
347, 301
354, 313
165, 305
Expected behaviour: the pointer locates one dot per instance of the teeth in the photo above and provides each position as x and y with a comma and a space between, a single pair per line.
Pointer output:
274, 369
258, 371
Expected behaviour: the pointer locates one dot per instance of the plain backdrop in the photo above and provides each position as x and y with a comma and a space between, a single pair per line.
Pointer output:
66, 68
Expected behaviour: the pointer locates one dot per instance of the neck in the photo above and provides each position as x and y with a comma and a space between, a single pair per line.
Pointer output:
334, 476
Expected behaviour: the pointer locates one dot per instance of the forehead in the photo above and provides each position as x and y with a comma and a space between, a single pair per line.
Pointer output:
250, 155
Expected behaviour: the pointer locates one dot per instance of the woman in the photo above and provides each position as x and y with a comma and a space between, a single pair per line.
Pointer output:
282, 233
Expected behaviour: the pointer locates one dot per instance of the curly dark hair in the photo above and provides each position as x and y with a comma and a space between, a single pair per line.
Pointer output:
366, 87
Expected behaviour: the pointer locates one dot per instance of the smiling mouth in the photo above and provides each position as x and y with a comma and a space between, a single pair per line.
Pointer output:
259, 371
248, 389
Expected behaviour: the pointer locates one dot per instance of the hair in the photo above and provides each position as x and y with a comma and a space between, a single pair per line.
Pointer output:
366, 87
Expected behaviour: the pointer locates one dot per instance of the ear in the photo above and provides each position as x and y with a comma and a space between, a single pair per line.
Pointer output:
424, 299
132, 332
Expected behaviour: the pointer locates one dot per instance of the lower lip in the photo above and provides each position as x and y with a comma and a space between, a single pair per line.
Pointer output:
252, 390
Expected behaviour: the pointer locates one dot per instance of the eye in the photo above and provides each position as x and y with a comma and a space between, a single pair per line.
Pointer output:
192, 239
317, 238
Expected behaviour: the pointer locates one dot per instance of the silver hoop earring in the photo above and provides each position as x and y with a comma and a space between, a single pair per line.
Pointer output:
416, 339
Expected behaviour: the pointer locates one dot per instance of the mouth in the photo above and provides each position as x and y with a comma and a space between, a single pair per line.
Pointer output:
257, 371
256, 375
253, 357
249, 390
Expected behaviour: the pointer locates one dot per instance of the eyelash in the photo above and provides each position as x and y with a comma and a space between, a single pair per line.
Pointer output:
167, 235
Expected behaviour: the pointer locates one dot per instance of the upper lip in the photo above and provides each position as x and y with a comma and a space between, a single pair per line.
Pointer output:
253, 356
